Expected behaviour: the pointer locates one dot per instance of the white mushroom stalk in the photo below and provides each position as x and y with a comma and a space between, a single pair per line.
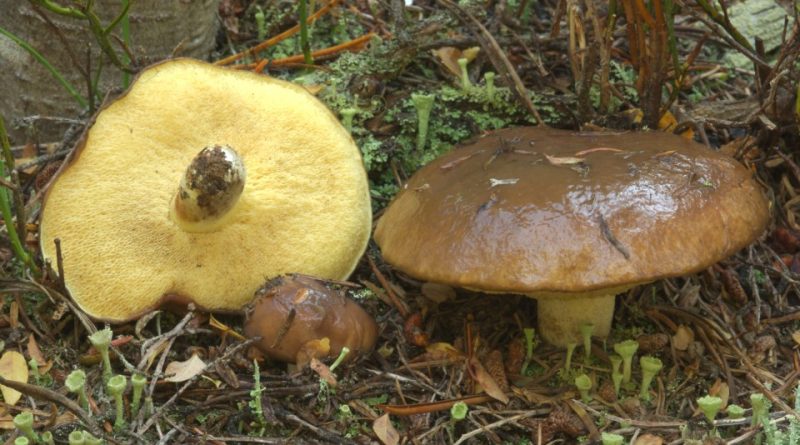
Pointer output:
209, 189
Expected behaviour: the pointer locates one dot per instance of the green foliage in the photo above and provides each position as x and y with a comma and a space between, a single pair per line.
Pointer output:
101, 340
584, 383
459, 411
6, 197
457, 113
255, 400
772, 435
530, 344
710, 406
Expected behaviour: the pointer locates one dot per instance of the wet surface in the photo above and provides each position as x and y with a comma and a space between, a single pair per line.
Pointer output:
293, 310
540, 209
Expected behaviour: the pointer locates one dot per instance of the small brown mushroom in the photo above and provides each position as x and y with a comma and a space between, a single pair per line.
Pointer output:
293, 314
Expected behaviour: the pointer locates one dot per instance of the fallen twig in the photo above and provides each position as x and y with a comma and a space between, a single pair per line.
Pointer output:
210, 365
350, 45
277, 39
42, 393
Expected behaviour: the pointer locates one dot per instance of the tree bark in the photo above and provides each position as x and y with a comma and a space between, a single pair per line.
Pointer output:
158, 30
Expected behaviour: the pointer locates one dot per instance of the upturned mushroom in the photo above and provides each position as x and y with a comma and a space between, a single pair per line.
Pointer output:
299, 317
571, 219
198, 183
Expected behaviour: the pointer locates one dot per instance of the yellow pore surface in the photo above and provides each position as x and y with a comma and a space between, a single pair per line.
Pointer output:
305, 206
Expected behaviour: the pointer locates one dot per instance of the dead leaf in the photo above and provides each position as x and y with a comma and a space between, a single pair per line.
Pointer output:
487, 382
564, 160
441, 351
314, 89
13, 315
494, 182
796, 337
33, 350
455, 162
648, 439
35, 353
664, 154
683, 338
385, 431
183, 371
598, 149
225, 329
323, 371
438, 293
720, 389
141, 323
449, 56
668, 123
312, 349
13, 367
154, 350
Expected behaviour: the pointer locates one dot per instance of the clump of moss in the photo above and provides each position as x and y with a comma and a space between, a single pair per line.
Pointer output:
360, 80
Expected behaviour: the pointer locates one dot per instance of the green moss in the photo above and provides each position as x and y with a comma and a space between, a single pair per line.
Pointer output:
458, 114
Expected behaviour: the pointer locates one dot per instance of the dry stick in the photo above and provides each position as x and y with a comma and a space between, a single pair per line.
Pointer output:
430, 407
169, 335
154, 344
632, 422
43, 159
206, 438
325, 52
498, 58
60, 263
401, 308
322, 433
603, 36
76, 311
39, 392
182, 389
466, 436
277, 39
19, 204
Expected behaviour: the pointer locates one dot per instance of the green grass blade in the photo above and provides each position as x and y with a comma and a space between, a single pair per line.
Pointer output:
5, 203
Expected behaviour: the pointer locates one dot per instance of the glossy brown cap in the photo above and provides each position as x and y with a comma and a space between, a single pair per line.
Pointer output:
293, 312
539, 210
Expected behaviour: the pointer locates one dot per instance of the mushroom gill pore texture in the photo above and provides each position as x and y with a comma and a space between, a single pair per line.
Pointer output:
155, 206
570, 218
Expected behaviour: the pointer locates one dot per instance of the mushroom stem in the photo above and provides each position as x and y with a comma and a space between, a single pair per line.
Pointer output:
560, 318
209, 189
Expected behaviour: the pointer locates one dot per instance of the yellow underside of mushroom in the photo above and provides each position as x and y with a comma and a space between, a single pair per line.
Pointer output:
305, 207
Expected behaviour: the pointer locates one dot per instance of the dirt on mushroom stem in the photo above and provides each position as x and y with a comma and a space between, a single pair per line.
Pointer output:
210, 187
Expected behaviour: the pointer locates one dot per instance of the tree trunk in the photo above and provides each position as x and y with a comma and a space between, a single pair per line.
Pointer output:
158, 28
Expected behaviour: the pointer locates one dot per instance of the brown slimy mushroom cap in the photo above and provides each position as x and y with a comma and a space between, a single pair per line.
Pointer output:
143, 218
556, 213
293, 313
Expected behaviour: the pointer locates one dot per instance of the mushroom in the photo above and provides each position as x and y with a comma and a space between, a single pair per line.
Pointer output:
292, 314
199, 182
571, 219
